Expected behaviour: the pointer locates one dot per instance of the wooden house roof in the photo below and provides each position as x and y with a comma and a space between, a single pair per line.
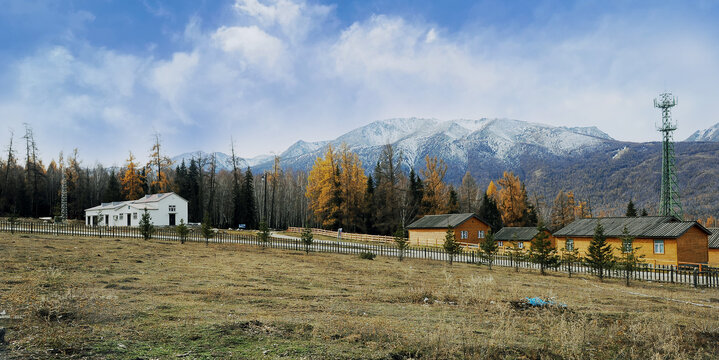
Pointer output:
516, 233
714, 238
442, 221
642, 227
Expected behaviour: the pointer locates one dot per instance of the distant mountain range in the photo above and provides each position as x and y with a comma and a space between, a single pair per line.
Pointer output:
585, 160
710, 134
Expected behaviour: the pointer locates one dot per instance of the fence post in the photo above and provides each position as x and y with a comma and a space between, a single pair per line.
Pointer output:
696, 274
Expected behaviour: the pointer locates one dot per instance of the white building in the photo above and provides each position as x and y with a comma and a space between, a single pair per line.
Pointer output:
165, 209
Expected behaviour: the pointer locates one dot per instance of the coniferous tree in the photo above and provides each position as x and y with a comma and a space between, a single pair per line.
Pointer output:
387, 177
453, 202
644, 212
192, 189
264, 233
512, 201
112, 192
488, 249
434, 196
468, 194
132, 180
599, 254
182, 231
249, 208
369, 207
569, 258
400, 239
146, 226
489, 212
516, 253
631, 211
451, 246
542, 252
207, 231
416, 193
630, 259
307, 238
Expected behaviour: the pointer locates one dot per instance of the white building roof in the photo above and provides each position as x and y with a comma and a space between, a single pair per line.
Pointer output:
147, 202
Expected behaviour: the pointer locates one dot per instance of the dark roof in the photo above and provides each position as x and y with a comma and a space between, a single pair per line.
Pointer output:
643, 227
442, 221
516, 233
714, 238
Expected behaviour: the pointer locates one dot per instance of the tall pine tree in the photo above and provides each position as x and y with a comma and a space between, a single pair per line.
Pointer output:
599, 254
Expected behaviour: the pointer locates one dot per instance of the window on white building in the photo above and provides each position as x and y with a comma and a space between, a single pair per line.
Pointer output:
134, 215
172, 208
659, 246
121, 216
464, 234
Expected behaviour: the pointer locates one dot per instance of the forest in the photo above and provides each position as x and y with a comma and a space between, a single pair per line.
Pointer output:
335, 193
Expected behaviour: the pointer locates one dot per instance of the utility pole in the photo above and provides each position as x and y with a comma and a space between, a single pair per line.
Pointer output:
670, 204
264, 204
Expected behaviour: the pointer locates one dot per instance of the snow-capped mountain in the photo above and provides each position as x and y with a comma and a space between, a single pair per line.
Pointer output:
710, 134
462, 143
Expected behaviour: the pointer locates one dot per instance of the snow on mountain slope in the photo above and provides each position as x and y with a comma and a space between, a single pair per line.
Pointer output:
457, 142
589, 130
710, 134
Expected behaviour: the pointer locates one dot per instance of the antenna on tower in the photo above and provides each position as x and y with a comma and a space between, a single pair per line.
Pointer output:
670, 205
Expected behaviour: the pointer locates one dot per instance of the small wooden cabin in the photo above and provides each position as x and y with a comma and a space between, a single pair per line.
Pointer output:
663, 240
523, 236
714, 247
431, 230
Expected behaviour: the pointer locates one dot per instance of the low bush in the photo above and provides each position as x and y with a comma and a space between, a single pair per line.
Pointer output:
367, 255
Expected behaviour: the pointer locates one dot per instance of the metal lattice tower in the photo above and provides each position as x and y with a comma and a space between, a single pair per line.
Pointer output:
670, 205
63, 192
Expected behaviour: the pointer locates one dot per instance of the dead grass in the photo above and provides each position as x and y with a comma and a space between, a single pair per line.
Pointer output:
126, 298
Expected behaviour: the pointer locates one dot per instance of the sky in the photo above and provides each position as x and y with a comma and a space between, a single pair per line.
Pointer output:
103, 76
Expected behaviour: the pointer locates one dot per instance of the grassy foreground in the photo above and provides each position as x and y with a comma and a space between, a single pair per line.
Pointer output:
126, 298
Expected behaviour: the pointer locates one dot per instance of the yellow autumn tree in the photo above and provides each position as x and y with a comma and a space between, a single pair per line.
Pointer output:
131, 181
323, 191
492, 190
564, 210
435, 198
511, 200
353, 184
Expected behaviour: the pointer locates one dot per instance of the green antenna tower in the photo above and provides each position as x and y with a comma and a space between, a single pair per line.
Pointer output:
670, 204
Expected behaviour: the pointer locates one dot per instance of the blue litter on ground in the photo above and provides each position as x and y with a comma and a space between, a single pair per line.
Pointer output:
539, 302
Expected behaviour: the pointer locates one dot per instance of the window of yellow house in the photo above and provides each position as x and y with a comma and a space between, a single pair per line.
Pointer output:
464, 234
569, 245
520, 245
500, 243
659, 246
627, 246
480, 234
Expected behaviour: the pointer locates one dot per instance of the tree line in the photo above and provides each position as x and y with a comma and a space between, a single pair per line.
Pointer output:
336, 193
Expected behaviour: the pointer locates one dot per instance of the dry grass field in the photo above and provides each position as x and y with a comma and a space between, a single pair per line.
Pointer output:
125, 298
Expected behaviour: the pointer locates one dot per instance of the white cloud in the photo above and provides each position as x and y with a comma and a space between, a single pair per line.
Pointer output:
255, 46
293, 18
262, 79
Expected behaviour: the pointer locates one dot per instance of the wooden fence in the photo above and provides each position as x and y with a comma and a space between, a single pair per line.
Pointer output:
706, 277
346, 236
